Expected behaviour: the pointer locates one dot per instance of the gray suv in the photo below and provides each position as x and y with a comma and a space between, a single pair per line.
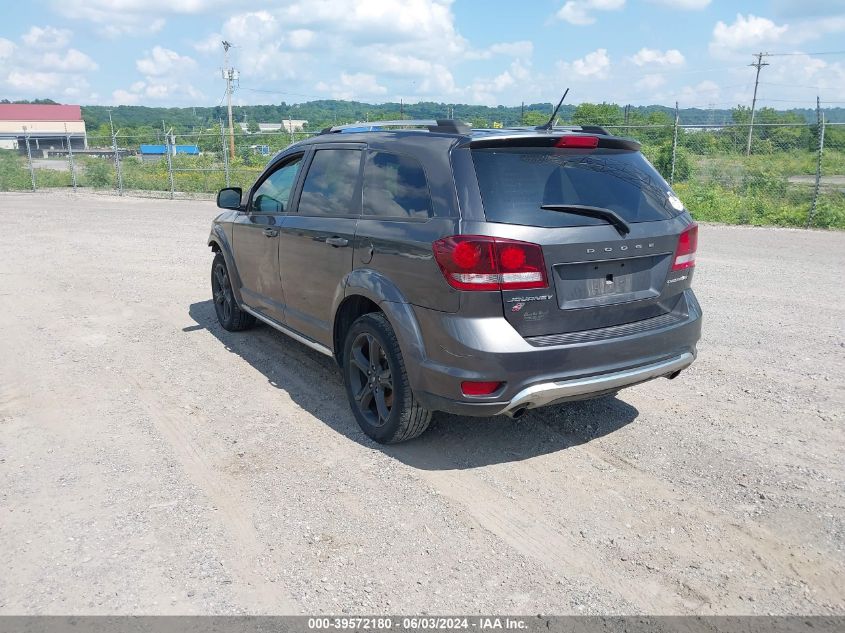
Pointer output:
478, 272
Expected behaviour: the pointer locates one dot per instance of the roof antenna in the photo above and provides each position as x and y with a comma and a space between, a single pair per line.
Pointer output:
548, 126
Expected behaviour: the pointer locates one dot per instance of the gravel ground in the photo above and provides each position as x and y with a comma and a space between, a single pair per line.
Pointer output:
151, 462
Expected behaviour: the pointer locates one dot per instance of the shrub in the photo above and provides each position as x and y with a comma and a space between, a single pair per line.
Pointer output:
663, 162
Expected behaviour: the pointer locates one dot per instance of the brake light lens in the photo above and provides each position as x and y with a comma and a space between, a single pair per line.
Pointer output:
473, 388
588, 142
687, 245
480, 262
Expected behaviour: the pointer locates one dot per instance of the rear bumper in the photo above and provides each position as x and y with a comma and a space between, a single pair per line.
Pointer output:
549, 392
490, 349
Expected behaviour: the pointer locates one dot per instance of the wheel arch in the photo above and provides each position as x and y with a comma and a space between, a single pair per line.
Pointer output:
366, 291
219, 243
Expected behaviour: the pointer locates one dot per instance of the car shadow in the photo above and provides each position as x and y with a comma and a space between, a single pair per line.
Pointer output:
314, 382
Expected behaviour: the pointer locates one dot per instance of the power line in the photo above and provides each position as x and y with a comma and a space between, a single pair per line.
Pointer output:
798, 54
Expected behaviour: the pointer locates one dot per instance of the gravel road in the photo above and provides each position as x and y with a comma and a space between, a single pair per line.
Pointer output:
151, 462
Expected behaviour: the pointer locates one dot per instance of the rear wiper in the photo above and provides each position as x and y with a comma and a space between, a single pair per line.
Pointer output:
594, 212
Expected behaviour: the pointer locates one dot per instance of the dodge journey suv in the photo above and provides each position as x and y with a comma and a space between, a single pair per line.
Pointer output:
479, 272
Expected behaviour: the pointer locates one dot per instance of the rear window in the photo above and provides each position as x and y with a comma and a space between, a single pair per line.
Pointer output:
515, 182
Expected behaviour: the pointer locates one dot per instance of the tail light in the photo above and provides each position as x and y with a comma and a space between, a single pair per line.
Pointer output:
480, 262
687, 244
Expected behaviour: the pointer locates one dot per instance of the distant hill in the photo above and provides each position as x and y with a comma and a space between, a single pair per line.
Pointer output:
330, 112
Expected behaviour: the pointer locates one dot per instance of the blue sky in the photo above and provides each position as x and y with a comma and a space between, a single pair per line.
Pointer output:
168, 52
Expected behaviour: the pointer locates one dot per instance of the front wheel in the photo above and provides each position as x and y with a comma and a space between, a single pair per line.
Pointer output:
377, 383
230, 316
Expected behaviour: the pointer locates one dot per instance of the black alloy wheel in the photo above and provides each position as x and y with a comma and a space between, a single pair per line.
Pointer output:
371, 379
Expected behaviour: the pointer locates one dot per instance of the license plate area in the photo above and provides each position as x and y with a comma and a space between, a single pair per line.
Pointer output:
609, 282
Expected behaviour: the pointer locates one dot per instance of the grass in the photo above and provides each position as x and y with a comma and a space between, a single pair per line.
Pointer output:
719, 187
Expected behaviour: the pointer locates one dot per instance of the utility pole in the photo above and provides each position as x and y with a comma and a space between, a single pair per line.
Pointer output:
758, 65
522, 114
230, 75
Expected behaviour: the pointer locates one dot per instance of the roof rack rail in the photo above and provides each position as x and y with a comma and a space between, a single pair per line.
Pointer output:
447, 126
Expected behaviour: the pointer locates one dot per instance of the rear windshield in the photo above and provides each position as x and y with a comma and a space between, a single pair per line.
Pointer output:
515, 182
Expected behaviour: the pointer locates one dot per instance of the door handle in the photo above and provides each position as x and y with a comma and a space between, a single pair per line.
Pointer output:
271, 232
337, 241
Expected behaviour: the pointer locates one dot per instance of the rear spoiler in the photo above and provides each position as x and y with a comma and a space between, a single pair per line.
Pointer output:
551, 139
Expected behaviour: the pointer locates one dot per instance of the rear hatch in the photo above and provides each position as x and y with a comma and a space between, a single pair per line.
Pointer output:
608, 225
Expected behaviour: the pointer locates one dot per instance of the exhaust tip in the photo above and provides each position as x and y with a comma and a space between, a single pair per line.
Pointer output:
674, 375
517, 413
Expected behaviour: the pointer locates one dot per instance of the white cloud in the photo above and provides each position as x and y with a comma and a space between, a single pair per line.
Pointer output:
405, 39
7, 48
166, 79
117, 18
489, 91
522, 49
795, 79
69, 61
210, 44
40, 65
46, 37
301, 38
580, 12
651, 82
34, 82
811, 29
353, 86
125, 97
651, 56
744, 34
594, 65
163, 61
157, 89
700, 94
688, 5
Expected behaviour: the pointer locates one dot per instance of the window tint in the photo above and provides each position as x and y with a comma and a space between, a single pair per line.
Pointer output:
514, 183
331, 183
273, 194
395, 186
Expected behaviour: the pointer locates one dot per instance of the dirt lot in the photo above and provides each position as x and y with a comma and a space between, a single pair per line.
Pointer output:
151, 462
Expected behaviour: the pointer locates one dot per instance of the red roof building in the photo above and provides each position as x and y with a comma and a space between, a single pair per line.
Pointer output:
39, 112
47, 126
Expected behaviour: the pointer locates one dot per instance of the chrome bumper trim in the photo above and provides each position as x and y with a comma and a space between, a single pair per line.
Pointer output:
547, 392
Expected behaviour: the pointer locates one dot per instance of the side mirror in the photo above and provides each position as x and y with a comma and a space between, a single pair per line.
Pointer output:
230, 198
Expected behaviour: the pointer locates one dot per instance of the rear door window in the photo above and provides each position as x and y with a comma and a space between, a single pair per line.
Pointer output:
331, 185
395, 186
515, 182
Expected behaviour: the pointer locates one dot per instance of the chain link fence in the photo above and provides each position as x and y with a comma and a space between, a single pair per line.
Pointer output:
794, 174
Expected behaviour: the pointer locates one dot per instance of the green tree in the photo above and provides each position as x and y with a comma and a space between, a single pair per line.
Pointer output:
598, 114
535, 118
663, 163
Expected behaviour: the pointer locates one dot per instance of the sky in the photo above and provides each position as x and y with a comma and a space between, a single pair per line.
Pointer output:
494, 52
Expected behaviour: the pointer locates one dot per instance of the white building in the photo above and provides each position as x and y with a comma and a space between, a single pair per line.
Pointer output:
48, 126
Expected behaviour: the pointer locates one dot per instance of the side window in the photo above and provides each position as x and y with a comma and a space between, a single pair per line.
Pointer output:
273, 194
395, 186
331, 183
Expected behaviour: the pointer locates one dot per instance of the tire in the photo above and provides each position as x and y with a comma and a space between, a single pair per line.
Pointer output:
382, 400
229, 315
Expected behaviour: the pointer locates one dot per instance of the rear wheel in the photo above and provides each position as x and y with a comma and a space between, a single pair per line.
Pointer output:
377, 383
229, 315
